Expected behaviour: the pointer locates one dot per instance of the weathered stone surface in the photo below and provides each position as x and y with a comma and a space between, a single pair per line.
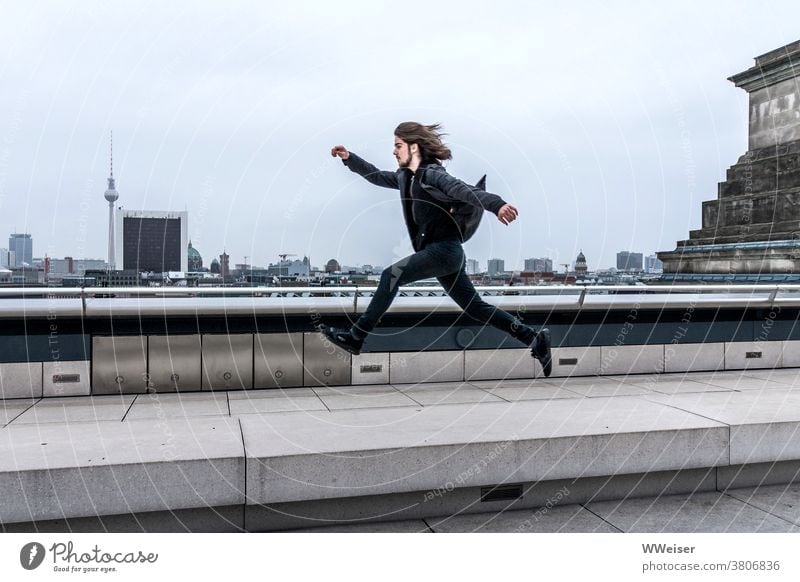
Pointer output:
760, 199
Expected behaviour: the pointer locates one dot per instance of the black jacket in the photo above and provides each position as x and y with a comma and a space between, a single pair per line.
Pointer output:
464, 203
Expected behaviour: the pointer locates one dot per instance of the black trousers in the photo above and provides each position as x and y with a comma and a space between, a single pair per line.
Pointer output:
444, 260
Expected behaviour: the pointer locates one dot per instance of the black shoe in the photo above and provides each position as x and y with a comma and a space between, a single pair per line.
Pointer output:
342, 338
540, 349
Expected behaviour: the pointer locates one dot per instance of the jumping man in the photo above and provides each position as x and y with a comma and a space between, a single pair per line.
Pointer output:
441, 212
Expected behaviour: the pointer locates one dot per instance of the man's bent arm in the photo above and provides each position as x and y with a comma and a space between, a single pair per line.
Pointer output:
372, 174
455, 189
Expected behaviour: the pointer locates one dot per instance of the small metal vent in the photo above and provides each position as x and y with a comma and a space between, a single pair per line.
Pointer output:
371, 368
567, 361
66, 378
752, 355
501, 493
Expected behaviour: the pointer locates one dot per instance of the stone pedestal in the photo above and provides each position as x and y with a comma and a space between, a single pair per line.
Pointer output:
753, 227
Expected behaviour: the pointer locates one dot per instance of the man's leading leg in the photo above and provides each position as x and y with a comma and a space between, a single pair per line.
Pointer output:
461, 290
435, 260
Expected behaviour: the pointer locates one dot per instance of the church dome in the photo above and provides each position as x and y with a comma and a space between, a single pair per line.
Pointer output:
195, 260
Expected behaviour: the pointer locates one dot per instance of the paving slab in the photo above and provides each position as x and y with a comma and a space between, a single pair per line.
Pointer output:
179, 404
265, 401
565, 519
404, 526
71, 409
668, 383
790, 377
370, 396
446, 393
764, 424
780, 500
513, 390
596, 386
734, 380
11, 409
295, 456
57, 471
708, 512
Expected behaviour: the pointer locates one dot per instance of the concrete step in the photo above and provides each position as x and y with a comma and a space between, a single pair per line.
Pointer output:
360, 449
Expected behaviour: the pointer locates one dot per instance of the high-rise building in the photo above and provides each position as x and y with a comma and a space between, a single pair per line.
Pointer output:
540, 265
151, 241
628, 261
496, 266
111, 196
22, 247
653, 265
225, 264
473, 267
5, 258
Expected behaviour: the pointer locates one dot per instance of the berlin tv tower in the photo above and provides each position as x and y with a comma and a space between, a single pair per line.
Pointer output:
111, 195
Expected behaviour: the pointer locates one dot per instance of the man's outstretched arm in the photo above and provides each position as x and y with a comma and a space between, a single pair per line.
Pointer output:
363, 168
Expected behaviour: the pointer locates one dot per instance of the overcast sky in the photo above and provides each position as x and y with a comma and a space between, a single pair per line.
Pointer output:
606, 124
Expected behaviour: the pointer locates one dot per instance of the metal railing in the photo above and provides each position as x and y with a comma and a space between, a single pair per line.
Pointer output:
99, 301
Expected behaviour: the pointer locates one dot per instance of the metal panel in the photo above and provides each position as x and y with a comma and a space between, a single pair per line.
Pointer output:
22, 380
790, 357
66, 379
325, 364
498, 364
371, 368
227, 361
694, 357
413, 367
174, 362
119, 364
637, 359
278, 360
578, 361
751, 355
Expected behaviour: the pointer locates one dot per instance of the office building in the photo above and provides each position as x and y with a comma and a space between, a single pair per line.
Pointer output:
22, 247
628, 261
473, 267
151, 241
653, 265
496, 266
539, 265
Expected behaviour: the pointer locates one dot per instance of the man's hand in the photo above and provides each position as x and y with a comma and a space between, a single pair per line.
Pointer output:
507, 214
340, 151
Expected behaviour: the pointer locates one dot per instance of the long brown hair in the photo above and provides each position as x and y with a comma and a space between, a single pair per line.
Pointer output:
427, 137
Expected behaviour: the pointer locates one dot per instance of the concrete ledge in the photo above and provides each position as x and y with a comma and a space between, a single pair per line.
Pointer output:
82, 469
305, 456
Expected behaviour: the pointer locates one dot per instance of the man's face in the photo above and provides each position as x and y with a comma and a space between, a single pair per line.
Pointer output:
402, 152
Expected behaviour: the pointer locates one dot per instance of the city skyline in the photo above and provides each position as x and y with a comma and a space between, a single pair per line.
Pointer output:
232, 118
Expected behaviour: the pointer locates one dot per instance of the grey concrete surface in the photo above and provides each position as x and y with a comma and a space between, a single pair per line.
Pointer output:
21, 380
11, 409
779, 500
711, 512
350, 397
765, 424
668, 384
57, 471
354, 452
566, 519
168, 405
596, 386
532, 389
68, 410
446, 393
405, 526
72, 458
265, 401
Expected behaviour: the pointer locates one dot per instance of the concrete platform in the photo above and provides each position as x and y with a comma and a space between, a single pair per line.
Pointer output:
409, 452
